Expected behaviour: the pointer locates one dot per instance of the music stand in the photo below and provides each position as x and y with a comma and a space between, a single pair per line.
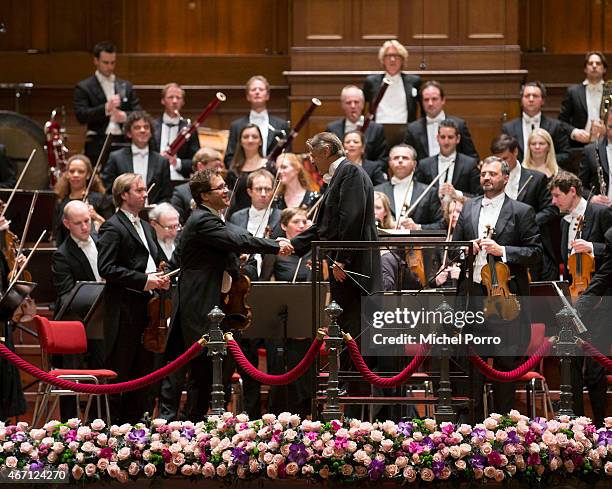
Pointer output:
13, 297
82, 302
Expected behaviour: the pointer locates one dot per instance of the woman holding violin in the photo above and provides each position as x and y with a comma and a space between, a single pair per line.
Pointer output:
72, 185
295, 188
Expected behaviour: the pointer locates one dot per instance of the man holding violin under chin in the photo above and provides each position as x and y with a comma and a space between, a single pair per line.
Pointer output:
516, 243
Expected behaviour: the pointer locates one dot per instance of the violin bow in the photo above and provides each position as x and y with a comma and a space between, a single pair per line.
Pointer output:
96, 169
25, 168
523, 187
452, 204
22, 269
25, 229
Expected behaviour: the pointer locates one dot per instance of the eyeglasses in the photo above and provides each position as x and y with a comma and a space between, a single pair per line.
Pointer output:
174, 227
220, 187
392, 56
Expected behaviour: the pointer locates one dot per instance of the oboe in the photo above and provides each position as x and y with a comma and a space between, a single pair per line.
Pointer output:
600, 176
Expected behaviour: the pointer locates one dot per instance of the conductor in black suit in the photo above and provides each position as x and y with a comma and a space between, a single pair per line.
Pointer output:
128, 260
352, 102
533, 95
138, 158
167, 127
462, 176
595, 166
8, 170
271, 127
422, 133
516, 242
103, 101
208, 256
399, 105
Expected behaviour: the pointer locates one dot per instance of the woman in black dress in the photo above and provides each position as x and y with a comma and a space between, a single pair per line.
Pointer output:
294, 188
354, 147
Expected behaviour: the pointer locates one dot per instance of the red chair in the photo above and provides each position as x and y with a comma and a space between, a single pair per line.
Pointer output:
65, 338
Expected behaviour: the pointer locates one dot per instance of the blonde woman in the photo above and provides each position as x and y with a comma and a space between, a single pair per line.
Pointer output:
540, 153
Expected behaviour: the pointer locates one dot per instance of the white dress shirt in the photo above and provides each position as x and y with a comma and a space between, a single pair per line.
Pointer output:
432, 132
135, 220
261, 120
443, 162
108, 87
167, 247
91, 253
512, 187
169, 131
332, 169
352, 126
529, 124
255, 224
399, 191
489, 213
393, 108
572, 219
594, 93
140, 161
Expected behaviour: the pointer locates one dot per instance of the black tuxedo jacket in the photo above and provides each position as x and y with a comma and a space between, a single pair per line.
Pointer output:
555, 128
574, 113
89, 101
8, 170
279, 128
601, 283
428, 213
412, 83
158, 172
516, 229
374, 171
595, 156
69, 265
466, 176
241, 219
122, 262
376, 145
416, 136
187, 150
597, 220
181, 201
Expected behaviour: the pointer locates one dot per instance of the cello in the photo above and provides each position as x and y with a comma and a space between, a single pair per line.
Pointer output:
580, 265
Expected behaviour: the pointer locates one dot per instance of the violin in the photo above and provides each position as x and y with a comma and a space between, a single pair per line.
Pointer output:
9, 245
500, 302
159, 308
416, 264
581, 266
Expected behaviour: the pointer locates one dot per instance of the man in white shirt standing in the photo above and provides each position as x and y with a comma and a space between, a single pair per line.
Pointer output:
103, 101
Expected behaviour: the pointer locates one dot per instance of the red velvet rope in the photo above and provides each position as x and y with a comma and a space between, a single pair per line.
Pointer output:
378, 381
267, 379
599, 357
493, 374
130, 385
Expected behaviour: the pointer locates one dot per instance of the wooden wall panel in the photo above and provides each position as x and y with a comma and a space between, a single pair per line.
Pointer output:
431, 22
483, 21
378, 20
322, 22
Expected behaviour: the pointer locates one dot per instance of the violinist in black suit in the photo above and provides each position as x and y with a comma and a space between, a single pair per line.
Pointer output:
102, 101
427, 214
515, 242
128, 259
422, 133
566, 190
138, 158
462, 174
399, 105
206, 275
596, 165
580, 108
533, 95
531, 187
352, 102
8, 170
167, 127
271, 127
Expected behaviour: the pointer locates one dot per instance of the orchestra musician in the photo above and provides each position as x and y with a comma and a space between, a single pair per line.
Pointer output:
516, 242
168, 126
128, 259
540, 153
165, 222
103, 101
206, 275
595, 166
294, 190
138, 158
181, 195
271, 128
354, 147
449, 276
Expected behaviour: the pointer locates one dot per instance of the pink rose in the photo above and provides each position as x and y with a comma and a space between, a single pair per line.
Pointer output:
208, 470
511, 469
455, 452
73, 423
113, 470
122, 476
391, 470
292, 469
401, 462
478, 473
307, 470
268, 418
460, 464
427, 475
386, 445
284, 418
499, 475
272, 471
187, 470
328, 452
346, 470
77, 472
97, 425
430, 424
486, 449
569, 466
409, 474
489, 472
90, 470
124, 453
102, 464
133, 469
361, 472
324, 472
222, 470
608, 466
445, 473
253, 466
278, 459
376, 436
170, 468
11, 462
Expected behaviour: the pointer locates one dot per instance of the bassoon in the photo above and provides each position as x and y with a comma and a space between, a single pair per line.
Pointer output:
57, 153
371, 115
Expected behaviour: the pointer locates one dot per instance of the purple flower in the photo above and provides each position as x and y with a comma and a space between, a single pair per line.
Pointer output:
106, 452
437, 466
530, 437
513, 437
341, 442
188, 432
533, 459
298, 454
405, 428
415, 447
494, 459
428, 442
20, 436
137, 436
376, 469
478, 461
605, 438
479, 433
37, 466
239, 456
448, 429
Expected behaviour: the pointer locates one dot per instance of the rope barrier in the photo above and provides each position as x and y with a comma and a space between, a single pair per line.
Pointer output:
117, 388
515, 374
599, 357
376, 380
268, 379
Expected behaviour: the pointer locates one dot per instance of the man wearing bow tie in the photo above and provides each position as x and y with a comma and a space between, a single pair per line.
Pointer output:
167, 127
460, 172
422, 133
271, 127
140, 159
103, 101
566, 191
128, 260
595, 166
516, 242
533, 95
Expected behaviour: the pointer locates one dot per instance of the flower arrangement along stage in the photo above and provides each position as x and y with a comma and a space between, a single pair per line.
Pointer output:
229, 447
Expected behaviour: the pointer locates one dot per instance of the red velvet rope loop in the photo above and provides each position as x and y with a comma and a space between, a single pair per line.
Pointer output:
599, 357
117, 388
378, 381
493, 374
267, 379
